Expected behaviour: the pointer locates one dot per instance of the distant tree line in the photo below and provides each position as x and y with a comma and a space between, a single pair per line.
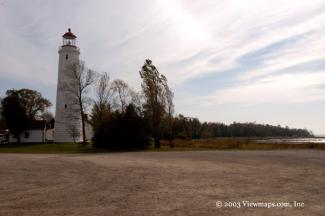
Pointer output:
192, 128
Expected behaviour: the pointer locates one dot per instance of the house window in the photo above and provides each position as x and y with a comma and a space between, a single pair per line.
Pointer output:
65, 106
27, 135
66, 56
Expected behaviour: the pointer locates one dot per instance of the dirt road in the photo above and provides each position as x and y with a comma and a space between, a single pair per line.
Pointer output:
165, 183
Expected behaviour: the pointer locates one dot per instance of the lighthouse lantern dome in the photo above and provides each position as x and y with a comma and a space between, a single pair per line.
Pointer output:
69, 39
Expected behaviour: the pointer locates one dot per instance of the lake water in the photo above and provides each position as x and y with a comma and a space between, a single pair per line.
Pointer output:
293, 140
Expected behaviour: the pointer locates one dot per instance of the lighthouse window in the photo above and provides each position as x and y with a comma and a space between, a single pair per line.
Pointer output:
65, 106
66, 56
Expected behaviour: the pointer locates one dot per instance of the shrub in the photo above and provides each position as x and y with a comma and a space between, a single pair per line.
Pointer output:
123, 130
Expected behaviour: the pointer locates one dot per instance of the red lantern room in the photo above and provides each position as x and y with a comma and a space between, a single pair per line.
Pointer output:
69, 39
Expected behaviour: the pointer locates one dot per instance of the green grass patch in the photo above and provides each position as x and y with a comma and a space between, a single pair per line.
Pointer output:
47, 148
179, 145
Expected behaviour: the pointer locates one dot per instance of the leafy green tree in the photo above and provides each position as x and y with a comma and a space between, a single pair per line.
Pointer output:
21, 106
31, 100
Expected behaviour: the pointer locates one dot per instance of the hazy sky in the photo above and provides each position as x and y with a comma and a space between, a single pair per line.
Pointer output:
226, 60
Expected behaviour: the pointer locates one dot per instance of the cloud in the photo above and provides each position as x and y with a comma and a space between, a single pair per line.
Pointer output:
277, 89
239, 29
118, 36
306, 49
238, 51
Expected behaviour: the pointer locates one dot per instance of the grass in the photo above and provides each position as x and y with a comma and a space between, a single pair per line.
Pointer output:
240, 144
47, 148
179, 145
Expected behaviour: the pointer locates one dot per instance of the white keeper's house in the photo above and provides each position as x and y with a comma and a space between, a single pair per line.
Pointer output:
39, 131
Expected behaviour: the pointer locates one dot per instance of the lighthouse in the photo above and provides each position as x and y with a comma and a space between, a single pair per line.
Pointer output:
67, 113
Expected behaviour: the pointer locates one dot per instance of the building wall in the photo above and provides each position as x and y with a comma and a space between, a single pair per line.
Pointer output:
49, 135
35, 136
67, 114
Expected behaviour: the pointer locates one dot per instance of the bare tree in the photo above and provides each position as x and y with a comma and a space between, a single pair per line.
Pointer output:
137, 98
104, 92
73, 131
123, 93
102, 105
81, 78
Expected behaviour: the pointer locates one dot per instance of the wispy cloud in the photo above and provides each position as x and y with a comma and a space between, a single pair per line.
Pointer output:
283, 89
256, 47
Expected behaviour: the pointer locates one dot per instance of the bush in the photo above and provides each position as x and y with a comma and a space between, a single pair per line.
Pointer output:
123, 130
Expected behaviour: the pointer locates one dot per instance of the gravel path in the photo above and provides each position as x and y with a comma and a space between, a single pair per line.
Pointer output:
165, 183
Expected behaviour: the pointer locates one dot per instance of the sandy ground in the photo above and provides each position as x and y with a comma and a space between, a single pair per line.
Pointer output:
165, 183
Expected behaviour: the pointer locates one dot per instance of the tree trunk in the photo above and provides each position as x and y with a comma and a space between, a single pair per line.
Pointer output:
156, 122
171, 144
82, 120
18, 138
157, 141
83, 128
156, 127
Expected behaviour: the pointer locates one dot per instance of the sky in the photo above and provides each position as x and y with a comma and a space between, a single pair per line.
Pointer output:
226, 60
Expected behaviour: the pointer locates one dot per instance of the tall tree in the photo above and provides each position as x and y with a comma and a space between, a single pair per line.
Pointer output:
155, 88
21, 106
170, 114
81, 78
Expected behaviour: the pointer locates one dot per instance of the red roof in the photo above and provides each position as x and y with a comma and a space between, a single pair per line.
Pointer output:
69, 35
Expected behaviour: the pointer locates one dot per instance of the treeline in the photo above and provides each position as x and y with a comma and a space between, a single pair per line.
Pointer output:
192, 128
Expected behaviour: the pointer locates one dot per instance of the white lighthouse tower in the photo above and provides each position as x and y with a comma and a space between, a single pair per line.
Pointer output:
67, 113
